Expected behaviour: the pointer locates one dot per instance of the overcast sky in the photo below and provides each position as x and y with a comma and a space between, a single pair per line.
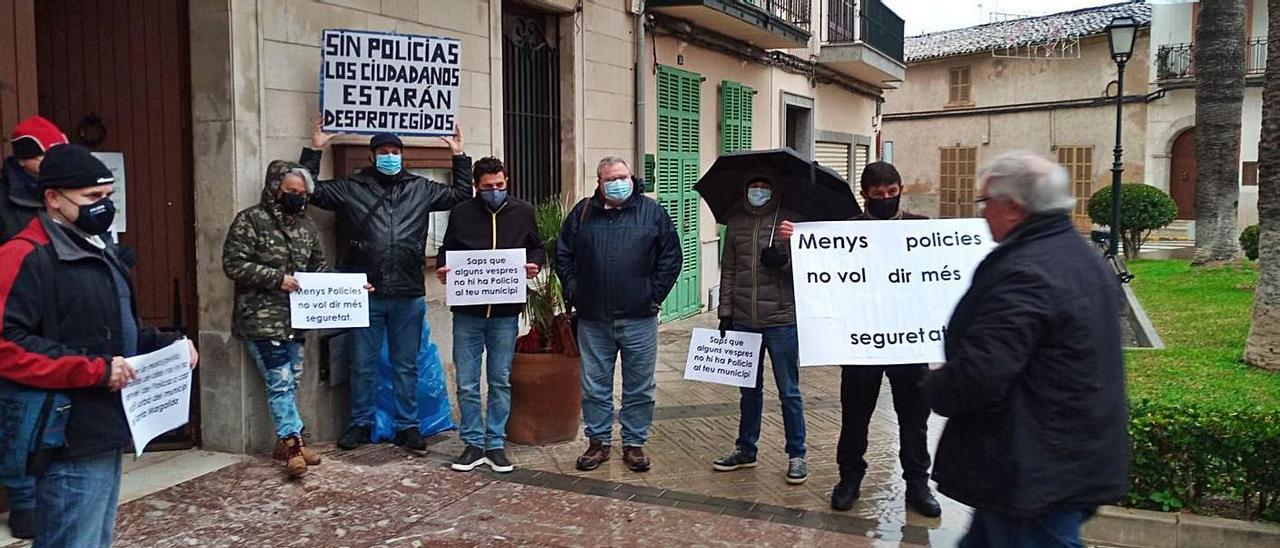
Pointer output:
923, 16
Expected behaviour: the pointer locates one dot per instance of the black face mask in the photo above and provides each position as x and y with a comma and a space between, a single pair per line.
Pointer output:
883, 208
292, 204
95, 218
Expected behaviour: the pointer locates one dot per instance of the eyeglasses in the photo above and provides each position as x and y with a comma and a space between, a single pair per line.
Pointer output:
981, 203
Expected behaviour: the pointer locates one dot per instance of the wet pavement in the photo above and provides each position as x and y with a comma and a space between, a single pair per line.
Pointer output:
382, 496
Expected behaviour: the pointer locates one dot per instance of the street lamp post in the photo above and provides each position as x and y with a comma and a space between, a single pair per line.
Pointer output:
1120, 37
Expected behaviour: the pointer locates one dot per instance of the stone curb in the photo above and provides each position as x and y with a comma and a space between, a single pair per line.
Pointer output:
1117, 527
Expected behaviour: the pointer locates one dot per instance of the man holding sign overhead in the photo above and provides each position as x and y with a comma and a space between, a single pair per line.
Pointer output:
493, 220
386, 206
69, 322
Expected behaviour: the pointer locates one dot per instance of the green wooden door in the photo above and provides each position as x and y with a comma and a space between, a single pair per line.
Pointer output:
735, 124
676, 170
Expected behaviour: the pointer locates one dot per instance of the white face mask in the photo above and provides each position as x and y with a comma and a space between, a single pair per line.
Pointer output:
759, 196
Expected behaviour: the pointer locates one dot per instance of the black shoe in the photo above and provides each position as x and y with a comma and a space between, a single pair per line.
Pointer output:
22, 524
734, 460
410, 439
921, 500
497, 459
471, 458
844, 495
355, 436
797, 471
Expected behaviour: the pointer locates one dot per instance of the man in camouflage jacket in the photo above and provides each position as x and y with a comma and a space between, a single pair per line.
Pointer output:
265, 246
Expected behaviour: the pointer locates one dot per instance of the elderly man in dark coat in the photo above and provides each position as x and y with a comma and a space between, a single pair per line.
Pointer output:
1034, 379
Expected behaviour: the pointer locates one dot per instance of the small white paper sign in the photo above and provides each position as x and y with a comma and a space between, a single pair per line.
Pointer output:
733, 359
159, 399
329, 301
494, 276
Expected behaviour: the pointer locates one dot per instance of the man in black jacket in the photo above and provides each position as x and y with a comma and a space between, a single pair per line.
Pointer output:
20, 201
1034, 380
387, 207
69, 320
618, 256
491, 220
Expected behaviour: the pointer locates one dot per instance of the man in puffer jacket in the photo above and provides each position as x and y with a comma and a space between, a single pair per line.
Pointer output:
757, 296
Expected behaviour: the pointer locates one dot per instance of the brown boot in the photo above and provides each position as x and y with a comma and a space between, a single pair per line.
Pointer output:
596, 454
281, 452
635, 459
295, 463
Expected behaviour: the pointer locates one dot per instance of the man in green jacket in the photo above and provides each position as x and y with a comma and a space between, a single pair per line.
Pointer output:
756, 295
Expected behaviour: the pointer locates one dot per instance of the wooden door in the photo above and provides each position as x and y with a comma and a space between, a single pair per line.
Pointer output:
17, 66
1182, 174
115, 76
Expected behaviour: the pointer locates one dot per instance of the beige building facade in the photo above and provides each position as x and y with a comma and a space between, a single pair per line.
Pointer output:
199, 96
1054, 95
1170, 145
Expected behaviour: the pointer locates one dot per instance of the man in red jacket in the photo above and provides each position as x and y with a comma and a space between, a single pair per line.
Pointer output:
68, 312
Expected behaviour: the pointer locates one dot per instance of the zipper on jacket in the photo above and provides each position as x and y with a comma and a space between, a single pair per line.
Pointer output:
755, 271
493, 216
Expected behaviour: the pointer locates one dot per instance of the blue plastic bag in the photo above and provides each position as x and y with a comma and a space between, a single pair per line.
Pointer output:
434, 413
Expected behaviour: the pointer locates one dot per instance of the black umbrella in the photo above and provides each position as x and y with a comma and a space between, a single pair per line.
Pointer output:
814, 192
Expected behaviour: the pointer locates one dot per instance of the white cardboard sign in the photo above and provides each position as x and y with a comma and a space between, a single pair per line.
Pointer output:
371, 82
159, 399
733, 359
491, 276
329, 300
881, 292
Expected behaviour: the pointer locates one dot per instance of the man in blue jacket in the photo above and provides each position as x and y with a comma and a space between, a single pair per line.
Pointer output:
617, 257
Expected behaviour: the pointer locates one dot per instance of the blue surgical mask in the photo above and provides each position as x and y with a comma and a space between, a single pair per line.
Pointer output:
759, 196
494, 198
618, 190
388, 164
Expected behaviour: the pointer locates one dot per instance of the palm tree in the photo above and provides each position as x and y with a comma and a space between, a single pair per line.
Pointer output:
1263, 346
1219, 65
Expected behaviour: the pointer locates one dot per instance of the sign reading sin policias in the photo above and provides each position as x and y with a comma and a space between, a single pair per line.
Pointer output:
881, 292
372, 82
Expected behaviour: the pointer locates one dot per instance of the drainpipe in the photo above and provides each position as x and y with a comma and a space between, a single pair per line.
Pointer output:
638, 9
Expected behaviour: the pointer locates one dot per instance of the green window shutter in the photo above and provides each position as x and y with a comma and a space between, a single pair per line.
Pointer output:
650, 166
735, 125
676, 170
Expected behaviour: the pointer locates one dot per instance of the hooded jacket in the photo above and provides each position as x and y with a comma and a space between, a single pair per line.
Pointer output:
63, 322
752, 294
262, 246
473, 226
20, 198
390, 236
618, 262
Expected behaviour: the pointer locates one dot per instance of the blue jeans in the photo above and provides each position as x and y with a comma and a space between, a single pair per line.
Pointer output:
280, 364
399, 320
601, 342
77, 501
21, 492
1055, 528
783, 345
472, 337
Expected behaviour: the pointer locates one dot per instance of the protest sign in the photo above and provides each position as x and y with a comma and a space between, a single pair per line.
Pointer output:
159, 399
733, 359
371, 82
494, 276
881, 292
329, 301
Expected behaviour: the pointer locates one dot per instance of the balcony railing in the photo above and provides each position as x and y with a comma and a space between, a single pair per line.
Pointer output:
796, 12
1177, 61
868, 21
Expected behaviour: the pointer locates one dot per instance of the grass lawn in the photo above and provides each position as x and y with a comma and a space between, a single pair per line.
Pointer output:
1203, 317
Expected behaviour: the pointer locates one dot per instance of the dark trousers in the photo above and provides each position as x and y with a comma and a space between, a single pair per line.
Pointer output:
859, 390
1056, 528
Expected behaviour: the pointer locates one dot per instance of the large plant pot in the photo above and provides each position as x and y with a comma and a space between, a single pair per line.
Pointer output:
546, 399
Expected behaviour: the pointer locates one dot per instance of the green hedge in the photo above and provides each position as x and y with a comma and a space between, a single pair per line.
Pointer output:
1249, 242
1205, 428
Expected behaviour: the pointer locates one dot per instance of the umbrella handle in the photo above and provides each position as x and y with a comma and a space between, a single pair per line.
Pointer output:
773, 229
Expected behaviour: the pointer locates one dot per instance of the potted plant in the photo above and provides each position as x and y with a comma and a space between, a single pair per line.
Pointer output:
546, 389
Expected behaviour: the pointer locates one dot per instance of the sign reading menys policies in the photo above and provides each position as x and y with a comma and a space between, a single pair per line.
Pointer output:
371, 82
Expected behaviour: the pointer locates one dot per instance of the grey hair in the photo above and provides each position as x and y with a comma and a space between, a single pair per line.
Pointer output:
306, 178
1029, 180
610, 161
